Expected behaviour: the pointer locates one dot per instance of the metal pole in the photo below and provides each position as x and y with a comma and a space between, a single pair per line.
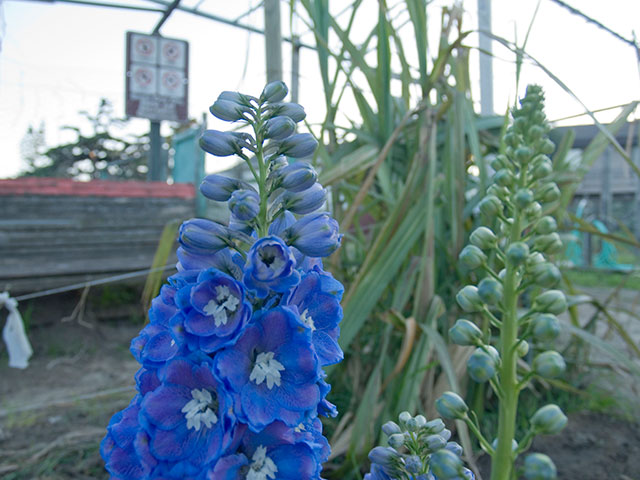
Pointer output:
295, 70
486, 59
273, 40
157, 167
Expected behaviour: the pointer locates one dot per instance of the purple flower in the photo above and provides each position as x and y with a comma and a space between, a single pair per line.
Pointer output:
273, 369
319, 309
190, 415
219, 312
315, 235
270, 266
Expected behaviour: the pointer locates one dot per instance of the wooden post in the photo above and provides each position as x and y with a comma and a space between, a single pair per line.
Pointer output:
273, 40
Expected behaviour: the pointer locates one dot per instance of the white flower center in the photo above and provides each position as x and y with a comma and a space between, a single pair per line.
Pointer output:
307, 320
262, 467
266, 368
223, 303
200, 409
269, 256
299, 428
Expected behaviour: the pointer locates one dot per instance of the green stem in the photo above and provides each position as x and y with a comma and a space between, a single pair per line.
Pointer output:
486, 446
262, 226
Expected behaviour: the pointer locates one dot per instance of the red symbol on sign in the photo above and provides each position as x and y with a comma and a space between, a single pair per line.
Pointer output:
143, 77
144, 47
171, 51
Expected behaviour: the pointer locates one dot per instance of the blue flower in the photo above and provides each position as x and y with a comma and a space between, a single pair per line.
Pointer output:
203, 237
219, 312
190, 415
270, 266
154, 346
303, 202
219, 188
319, 309
275, 452
244, 204
296, 177
273, 369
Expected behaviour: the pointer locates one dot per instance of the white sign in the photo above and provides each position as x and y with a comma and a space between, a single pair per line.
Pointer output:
157, 77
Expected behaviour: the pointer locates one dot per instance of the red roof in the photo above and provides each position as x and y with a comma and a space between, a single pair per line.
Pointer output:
94, 188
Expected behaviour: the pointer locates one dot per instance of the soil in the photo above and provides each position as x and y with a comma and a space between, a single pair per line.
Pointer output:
53, 414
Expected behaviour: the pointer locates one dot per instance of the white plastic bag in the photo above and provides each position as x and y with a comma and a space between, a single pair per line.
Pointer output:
14, 335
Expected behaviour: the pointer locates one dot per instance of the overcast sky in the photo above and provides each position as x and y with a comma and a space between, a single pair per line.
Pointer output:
58, 59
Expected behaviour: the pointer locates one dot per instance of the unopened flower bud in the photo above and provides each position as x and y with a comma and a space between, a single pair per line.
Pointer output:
412, 425
546, 327
435, 426
490, 290
500, 162
274, 92
446, 434
228, 111
523, 198
292, 110
549, 192
549, 364
523, 348
514, 444
517, 253
221, 144
413, 463
303, 202
481, 366
535, 259
503, 177
235, 97
546, 225
536, 132
296, 177
542, 169
548, 420
383, 456
545, 274
421, 421
396, 440
451, 406
315, 235
390, 428
549, 243
533, 211
483, 238
490, 206
279, 127
512, 139
454, 447
551, 301
435, 442
299, 145
469, 299
538, 466
219, 188
472, 257
203, 236
244, 204
522, 154
547, 147
404, 417
445, 464
465, 333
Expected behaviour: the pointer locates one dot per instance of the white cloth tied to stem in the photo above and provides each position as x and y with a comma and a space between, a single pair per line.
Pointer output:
14, 335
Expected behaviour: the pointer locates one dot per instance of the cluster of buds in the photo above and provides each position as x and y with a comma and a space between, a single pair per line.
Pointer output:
418, 450
509, 256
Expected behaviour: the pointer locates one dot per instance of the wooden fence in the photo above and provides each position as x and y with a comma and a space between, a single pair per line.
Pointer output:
54, 232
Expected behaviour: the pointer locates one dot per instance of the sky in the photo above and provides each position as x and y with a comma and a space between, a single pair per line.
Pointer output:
58, 59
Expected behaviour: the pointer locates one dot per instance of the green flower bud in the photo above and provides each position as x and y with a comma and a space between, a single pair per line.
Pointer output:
502, 274
517, 253
538, 117
549, 364
520, 124
523, 198
546, 225
481, 365
490, 206
404, 417
490, 290
538, 466
547, 147
503, 177
500, 162
548, 420
546, 327
472, 257
542, 169
535, 259
412, 425
465, 333
493, 352
514, 444
523, 348
434, 426
498, 191
445, 464
396, 440
451, 406
522, 154
549, 243
484, 238
533, 211
549, 192
469, 299
536, 132
551, 301
435, 442
512, 139
545, 274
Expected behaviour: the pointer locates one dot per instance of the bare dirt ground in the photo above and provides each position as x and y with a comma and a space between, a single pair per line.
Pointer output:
53, 414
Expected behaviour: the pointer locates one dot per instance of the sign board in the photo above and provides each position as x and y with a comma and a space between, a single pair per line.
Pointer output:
157, 77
